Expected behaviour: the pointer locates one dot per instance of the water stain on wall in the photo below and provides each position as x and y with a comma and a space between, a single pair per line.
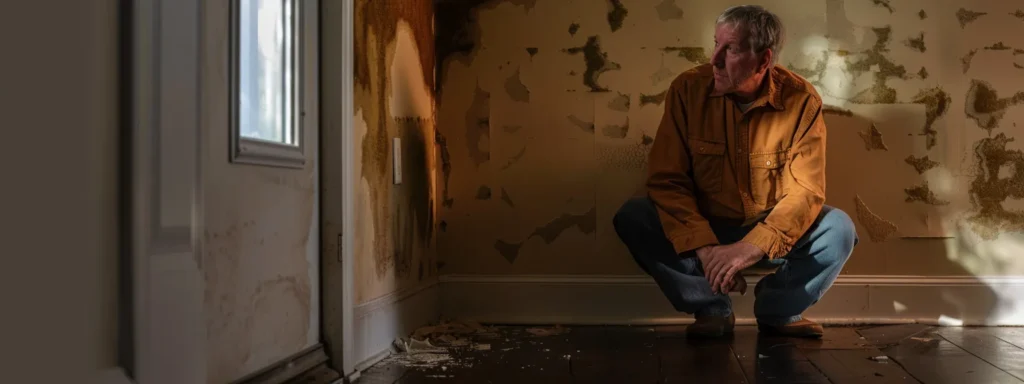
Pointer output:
516, 89
924, 194
879, 229
990, 188
668, 10
966, 16
457, 31
586, 223
616, 14
985, 106
375, 36
873, 139
597, 63
446, 166
921, 164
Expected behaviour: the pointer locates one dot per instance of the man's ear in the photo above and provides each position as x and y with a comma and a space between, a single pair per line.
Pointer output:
766, 60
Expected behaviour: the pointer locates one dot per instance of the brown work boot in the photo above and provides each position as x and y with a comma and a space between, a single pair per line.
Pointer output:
802, 328
711, 326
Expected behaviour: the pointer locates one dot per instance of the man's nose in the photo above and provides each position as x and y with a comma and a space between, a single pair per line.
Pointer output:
717, 58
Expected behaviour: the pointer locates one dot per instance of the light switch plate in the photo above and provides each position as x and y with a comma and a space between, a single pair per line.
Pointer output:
396, 159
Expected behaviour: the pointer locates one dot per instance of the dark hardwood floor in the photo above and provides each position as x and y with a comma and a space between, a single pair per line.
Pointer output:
883, 354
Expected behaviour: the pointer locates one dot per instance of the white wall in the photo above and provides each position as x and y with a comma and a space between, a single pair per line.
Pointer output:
58, 201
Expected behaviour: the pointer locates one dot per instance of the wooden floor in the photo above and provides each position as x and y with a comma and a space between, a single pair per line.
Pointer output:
887, 354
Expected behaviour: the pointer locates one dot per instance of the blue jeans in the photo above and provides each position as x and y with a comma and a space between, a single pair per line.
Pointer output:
799, 281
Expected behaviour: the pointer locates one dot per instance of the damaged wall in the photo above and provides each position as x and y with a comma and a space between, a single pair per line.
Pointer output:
545, 129
394, 79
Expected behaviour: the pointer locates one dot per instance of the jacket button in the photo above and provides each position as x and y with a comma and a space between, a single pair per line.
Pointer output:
702, 149
769, 162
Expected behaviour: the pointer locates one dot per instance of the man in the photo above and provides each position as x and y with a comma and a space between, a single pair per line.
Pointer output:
737, 178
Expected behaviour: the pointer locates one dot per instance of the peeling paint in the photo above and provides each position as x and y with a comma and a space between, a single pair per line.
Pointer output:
924, 194
483, 193
653, 99
873, 139
616, 131
917, 43
478, 127
631, 156
998, 46
984, 105
514, 159
586, 223
838, 25
966, 17
921, 164
597, 63
834, 110
990, 189
1018, 14
573, 28
695, 55
922, 15
936, 103
668, 10
516, 89
584, 125
620, 103
923, 73
532, 51
616, 14
881, 66
506, 198
966, 60
879, 229
883, 3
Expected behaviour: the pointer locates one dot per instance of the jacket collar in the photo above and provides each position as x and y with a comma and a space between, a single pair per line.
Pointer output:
770, 94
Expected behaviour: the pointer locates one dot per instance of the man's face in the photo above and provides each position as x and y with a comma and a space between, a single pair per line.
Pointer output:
737, 68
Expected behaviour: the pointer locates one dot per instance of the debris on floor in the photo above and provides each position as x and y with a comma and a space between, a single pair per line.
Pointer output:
433, 346
544, 332
880, 359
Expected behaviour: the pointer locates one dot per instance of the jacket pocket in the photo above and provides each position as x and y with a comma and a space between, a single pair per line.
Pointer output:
767, 180
708, 164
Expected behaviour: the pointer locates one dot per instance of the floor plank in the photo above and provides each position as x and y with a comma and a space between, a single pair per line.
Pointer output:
773, 359
934, 360
978, 342
854, 366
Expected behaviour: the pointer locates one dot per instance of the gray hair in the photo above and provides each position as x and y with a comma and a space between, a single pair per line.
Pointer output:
764, 29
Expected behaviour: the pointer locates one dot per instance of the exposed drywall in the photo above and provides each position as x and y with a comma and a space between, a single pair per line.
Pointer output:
61, 235
921, 101
394, 87
260, 237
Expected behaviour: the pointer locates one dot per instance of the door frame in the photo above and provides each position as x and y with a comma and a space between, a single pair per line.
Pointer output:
337, 183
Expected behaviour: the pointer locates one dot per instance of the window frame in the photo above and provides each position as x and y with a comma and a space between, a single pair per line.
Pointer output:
245, 150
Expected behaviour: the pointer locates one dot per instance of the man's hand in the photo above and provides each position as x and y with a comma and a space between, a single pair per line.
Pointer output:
723, 262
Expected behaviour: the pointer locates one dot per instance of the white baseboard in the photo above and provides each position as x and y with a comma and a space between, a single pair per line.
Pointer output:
853, 299
378, 322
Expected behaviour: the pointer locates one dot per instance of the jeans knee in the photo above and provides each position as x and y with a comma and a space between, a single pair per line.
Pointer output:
842, 233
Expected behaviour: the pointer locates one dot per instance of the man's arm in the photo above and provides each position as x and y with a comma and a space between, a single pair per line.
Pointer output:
669, 183
805, 175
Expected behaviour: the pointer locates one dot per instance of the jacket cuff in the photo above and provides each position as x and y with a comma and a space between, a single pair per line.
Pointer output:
768, 240
694, 239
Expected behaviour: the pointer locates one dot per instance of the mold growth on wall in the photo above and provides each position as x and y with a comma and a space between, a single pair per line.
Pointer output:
923, 193
984, 105
884, 3
936, 103
586, 223
999, 177
873, 139
879, 229
695, 55
478, 127
966, 17
597, 63
616, 14
916, 43
921, 164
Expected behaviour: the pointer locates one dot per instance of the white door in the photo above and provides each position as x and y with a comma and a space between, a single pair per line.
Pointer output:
168, 325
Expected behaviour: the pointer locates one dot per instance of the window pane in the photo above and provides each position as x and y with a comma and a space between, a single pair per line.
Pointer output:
266, 66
